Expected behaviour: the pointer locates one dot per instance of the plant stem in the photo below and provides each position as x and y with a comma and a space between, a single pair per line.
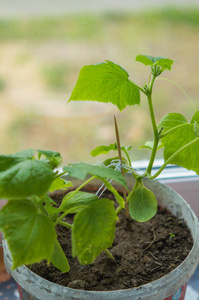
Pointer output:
65, 224
172, 157
109, 254
118, 210
122, 170
172, 129
59, 175
128, 157
169, 80
79, 188
141, 89
155, 129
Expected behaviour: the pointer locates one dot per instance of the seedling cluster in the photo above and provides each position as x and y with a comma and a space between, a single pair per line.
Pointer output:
30, 217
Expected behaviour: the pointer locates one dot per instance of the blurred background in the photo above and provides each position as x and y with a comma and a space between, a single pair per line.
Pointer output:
43, 46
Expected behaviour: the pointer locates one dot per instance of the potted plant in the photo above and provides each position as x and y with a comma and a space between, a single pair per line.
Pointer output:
29, 218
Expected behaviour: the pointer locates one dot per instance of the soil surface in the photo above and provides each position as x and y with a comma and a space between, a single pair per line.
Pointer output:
143, 252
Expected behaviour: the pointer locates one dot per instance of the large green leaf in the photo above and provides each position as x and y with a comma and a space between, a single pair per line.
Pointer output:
93, 230
80, 171
142, 204
106, 82
160, 61
30, 235
76, 201
178, 133
8, 161
24, 178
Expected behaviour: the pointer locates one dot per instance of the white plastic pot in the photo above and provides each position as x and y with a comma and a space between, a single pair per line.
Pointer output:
171, 286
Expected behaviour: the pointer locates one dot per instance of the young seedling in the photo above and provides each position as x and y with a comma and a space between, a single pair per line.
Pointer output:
30, 217
108, 82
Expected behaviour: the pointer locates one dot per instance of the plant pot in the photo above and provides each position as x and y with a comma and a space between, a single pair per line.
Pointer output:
170, 286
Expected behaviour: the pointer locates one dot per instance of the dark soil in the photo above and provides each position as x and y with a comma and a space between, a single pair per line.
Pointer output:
143, 252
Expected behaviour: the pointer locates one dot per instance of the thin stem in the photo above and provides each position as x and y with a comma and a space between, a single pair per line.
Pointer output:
65, 224
155, 131
172, 129
169, 80
122, 170
128, 157
109, 254
59, 175
72, 194
172, 157
141, 89
118, 210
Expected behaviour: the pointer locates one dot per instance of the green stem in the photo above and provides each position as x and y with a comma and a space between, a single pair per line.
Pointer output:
118, 210
169, 80
72, 194
141, 89
109, 254
128, 157
155, 129
59, 175
172, 129
65, 224
172, 157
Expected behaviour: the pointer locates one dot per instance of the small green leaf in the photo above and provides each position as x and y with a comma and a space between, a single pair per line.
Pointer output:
30, 235
59, 259
103, 149
76, 201
80, 171
60, 184
50, 207
93, 230
106, 82
142, 204
160, 61
25, 178
54, 158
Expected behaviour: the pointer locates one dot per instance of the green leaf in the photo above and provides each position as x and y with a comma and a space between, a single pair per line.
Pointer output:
106, 82
160, 61
76, 201
59, 259
54, 158
8, 161
142, 204
93, 230
80, 171
103, 149
30, 235
25, 178
60, 184
177, 133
